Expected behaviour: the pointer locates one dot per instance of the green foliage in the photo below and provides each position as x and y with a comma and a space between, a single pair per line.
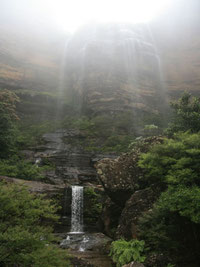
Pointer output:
30, 134
93, 207
118, 143
151, 130
186, 114
25, 229
19, 168
182, 200
175, 161
173, 225
8, 120
123, 251
102, 133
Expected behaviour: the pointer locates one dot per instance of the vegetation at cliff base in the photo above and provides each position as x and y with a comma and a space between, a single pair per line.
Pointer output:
172, 227
186, 114
93, 205
123, 252
26, 229
8, 118
174, 163
20, 168
12, 140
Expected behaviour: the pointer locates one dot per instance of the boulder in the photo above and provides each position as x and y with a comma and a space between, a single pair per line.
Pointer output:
109, 218
121, 177
140, 202
87, 242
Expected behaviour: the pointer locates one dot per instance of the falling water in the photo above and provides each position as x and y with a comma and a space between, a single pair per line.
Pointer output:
83, 243
77, 209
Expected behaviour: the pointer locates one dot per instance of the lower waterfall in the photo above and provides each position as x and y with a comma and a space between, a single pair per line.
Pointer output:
77, 209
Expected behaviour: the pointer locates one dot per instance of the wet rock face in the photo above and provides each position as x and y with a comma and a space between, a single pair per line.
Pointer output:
139, 203
109, 218
73, 165
113, 68
86, 242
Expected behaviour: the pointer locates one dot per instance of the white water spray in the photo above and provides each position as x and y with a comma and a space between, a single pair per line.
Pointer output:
77, 209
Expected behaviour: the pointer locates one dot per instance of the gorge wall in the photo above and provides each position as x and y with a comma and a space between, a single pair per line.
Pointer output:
105, 67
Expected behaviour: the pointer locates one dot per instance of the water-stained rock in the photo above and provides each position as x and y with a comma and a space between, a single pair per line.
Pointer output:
73, 165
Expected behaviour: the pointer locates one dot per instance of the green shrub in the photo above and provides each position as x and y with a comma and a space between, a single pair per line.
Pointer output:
151, 129
123, 252
186, 114
26, 222
30, 135
8, 120
19, 168
175, 161
173, 225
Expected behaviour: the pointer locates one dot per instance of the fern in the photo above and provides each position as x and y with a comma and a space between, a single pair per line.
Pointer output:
123, 252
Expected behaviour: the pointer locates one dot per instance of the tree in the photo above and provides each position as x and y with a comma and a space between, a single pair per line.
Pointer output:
26, 229
8, 118
186, 114
173, 225
176, 161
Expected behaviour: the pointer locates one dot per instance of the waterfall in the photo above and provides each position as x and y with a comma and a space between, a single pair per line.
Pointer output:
77, 209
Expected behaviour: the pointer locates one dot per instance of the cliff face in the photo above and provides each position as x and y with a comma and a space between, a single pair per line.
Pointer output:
29, 59
114, 68
177, 36
108, 68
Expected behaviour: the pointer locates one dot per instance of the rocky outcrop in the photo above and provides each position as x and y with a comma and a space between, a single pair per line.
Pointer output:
36, 187
109, 218
90, 259
88, 249
129, 195
87, 242
121, 177
73, 165
111, 175
140, 202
